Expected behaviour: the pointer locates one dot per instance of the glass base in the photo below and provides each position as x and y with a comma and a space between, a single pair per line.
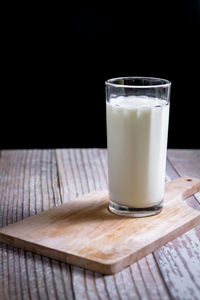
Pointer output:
135, 212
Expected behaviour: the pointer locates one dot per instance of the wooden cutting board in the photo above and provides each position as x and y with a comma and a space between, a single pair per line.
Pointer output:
85, 233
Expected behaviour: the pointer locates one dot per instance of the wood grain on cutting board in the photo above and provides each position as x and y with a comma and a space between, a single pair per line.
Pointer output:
83, 232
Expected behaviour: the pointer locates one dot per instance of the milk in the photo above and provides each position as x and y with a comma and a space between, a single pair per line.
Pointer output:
137, 129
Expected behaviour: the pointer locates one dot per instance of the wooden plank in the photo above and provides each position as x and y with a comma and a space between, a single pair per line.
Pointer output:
179, 260
186, 162
28, 185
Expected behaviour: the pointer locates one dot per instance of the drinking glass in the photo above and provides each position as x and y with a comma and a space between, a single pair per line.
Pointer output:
137, 114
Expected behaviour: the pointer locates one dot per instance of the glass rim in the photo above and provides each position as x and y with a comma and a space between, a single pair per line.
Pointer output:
110, 82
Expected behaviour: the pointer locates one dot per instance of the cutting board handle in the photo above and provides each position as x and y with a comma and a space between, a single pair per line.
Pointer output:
181, 188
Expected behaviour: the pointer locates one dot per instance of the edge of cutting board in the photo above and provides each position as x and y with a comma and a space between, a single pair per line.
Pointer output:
109, 267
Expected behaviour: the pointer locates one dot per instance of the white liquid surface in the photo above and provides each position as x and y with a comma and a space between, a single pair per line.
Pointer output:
137, 129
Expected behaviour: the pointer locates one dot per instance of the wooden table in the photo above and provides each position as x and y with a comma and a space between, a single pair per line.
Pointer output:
34, 180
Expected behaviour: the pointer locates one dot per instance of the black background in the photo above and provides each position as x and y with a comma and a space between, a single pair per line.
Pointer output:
56, 60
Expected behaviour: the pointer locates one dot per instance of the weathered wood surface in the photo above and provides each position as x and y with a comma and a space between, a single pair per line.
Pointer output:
179, 260
32, 181
83, 232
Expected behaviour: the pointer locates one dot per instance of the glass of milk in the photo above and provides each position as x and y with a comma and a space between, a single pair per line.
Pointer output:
137, 111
